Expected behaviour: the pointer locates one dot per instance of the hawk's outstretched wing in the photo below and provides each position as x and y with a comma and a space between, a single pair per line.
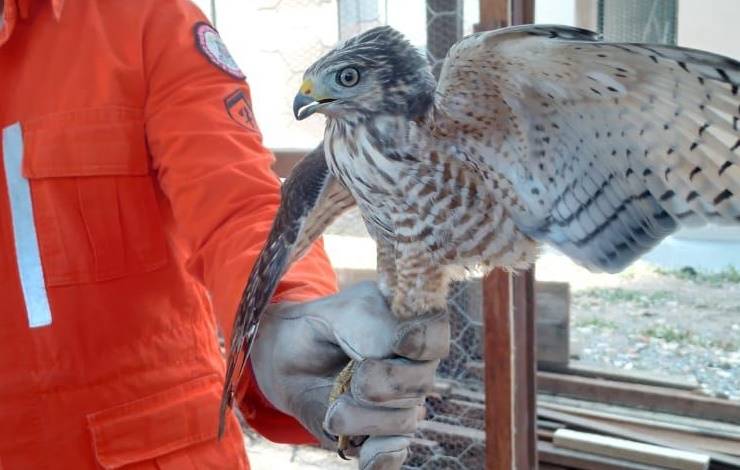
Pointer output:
311, 200
608, 147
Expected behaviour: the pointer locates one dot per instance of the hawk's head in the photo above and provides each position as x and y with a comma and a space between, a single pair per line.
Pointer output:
376, 72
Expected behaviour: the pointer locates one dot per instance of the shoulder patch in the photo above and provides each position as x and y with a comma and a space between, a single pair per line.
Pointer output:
210, 44
239, 108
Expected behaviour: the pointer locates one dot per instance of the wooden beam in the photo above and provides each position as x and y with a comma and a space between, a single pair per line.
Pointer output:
525, 371
624, 449
286, 159
494, 14
572, 459
647, 397
522, 12
498, 374
552, 304
509, 373
617, 430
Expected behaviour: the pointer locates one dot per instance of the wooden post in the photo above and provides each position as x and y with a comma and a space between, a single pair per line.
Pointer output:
509, 322
498, 373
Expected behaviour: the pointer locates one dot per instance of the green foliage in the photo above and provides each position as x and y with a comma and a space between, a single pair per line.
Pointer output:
619, 295
728, 275
596, 322
672, 334
669, 334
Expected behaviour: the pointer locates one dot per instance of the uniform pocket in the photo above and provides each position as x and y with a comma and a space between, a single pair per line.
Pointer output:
94, 203
174, 429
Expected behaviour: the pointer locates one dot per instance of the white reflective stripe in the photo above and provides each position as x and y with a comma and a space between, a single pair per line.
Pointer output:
24, 230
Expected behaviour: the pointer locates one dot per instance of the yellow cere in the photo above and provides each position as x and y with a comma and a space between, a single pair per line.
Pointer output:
307, 87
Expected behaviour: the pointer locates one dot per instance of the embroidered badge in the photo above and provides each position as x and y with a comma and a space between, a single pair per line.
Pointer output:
209, 42
240, 110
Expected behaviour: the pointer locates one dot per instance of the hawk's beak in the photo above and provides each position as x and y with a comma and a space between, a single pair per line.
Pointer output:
304, 106
306, 102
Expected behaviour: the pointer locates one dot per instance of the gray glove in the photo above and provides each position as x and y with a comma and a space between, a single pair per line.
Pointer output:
301, 347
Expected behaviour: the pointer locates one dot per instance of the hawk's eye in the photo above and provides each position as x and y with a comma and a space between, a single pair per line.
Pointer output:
348, 77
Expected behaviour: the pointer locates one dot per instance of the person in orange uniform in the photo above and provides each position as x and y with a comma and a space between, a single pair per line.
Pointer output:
135, 194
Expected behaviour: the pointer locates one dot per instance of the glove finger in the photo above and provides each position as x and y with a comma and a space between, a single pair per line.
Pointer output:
397, 383
384, 453
424, 338
346, 417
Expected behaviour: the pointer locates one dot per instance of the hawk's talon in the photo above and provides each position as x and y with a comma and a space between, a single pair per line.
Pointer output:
340, 453
341, 385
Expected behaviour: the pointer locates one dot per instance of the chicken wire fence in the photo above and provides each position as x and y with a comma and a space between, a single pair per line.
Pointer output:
452, 435
652, 21
444, 22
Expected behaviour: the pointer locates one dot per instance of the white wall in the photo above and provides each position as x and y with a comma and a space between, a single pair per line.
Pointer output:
711, 25
555, 12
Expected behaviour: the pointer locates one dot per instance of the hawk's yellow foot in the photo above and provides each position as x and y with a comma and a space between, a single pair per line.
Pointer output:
341, 385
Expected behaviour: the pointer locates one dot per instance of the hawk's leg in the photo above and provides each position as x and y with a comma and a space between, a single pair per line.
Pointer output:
386, 268
341, 385
421, 284
387, 284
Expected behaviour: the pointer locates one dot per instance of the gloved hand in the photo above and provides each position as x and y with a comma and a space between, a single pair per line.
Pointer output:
301, 347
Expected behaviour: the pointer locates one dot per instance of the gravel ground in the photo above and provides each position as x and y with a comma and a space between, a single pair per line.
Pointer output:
663, 322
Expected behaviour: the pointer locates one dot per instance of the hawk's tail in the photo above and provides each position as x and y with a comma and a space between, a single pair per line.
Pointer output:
263, 280
311, 200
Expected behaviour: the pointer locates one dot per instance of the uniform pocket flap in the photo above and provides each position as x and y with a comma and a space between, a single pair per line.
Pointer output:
158, 424
90, 142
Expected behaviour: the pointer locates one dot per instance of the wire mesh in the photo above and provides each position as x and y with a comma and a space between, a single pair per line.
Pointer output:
444, 28
652, 21
452, 436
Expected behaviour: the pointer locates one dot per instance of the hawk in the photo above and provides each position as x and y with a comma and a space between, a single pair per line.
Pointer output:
533, 134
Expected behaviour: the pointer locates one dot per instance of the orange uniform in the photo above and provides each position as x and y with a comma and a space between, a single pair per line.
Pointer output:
135, 194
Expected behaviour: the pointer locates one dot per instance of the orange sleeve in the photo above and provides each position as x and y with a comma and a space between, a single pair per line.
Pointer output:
211, 164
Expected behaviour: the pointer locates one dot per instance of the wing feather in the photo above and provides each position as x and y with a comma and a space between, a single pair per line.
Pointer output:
311, 200
609, 147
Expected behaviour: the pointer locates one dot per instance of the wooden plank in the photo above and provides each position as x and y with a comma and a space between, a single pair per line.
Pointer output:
632, 376
573, 459
498, 374
632, 451
509, 371
552, 304
646, 397
525, 371
691, 426
494, 14
617, 430
286, 159
522, 12
547, 466
701, 443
